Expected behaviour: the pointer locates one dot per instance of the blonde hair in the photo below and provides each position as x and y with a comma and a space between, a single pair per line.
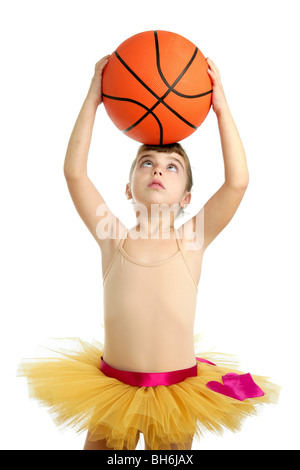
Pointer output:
169, 148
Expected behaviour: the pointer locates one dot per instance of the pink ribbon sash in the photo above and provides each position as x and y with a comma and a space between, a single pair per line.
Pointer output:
239, 387
148, 379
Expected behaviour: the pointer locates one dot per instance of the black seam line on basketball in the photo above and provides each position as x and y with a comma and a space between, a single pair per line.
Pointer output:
136, 76
170, 87
159, 68
160, 100
192, 96
180, 76
143, 106
167, 106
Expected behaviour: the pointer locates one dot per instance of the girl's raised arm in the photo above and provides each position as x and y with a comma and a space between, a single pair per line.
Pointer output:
88, 202
221, 207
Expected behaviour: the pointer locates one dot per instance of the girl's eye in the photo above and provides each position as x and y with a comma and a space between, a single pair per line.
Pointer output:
147, 161
171, 164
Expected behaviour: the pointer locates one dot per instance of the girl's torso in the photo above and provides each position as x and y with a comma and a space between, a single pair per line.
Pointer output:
149, 293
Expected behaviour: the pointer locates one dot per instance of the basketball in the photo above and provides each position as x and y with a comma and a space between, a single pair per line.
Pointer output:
156, 88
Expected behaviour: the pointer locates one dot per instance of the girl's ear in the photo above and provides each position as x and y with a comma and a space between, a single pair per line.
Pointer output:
186, 200
127, 192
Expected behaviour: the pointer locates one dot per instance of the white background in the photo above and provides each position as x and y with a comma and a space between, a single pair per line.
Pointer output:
51, 283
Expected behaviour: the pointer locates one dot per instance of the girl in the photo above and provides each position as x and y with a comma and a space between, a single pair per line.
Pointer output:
146, 377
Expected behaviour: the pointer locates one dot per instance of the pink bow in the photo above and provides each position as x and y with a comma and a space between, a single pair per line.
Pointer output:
235, 386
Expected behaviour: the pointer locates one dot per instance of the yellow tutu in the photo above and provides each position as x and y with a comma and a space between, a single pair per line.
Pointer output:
80, 396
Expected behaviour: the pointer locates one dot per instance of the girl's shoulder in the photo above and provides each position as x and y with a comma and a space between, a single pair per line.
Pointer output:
110, 239
191, 237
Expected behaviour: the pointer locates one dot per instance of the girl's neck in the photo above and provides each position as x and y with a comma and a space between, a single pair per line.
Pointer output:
155, 228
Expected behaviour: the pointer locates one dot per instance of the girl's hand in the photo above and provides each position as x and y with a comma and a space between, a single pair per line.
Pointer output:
95, 90
218, 96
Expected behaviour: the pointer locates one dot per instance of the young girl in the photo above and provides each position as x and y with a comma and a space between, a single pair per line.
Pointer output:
146, 377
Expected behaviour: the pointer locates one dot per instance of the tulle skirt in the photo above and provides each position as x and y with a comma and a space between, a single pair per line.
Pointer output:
79, 395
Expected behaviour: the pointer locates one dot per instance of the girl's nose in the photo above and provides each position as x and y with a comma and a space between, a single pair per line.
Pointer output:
157, 171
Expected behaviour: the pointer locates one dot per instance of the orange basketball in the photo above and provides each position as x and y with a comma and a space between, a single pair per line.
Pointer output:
156, 88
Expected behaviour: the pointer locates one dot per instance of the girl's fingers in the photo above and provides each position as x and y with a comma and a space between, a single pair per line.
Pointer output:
212, 65
101, 61
211, 74
101, 64
213, 71
104, 58
210, 61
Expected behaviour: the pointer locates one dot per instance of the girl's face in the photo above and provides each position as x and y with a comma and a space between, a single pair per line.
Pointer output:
169, 169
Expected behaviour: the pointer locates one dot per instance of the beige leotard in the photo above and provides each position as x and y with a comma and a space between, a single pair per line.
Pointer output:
149, 311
